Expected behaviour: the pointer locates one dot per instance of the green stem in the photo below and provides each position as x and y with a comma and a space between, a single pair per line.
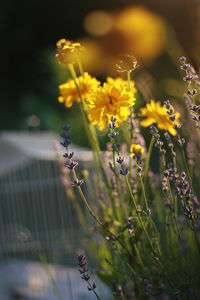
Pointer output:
85, 200
173, 207
97, 149
93, 214
155, 257
117, 179
146, 168
80, 66
186, 165
50, 275
90, 132
139, 257
131, 120
97, 296
139, 217
92, 135
144, 193
93, 139
172, 198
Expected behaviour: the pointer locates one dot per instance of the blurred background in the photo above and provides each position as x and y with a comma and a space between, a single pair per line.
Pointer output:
156, 32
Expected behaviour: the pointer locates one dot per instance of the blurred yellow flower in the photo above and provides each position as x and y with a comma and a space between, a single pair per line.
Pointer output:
127, 63
67, 51
113, 99
98, 22
136, 149
155, 113
68, 90
91, 58
143, 30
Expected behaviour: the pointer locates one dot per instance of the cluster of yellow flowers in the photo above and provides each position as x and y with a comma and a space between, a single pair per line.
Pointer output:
114, 98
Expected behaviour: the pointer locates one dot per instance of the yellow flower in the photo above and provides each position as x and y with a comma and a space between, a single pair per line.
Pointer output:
155, 113
136, 149
67, 51
113, 99
68, 90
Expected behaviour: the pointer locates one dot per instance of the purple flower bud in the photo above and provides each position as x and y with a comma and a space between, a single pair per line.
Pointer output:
65, 143
68, 155
113, 120
77, 182
188, 78
120, 159
124, 172
66, 127
115, 146
182, 59
72, 165
65, 135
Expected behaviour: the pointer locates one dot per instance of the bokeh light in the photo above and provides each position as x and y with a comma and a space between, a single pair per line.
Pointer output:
144, 31
98, 22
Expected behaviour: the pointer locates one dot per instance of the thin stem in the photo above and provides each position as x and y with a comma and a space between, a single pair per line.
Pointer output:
172, 198
138, 216
118, 270
146, 168
89, 130
139, 257
80, 66
116, 177
97, 296
55, 287
93, 139
85, 200
144, 193
186, 165
96, 145
195, 235
91, 134
93, 214
173, 207
131, 120
155, 257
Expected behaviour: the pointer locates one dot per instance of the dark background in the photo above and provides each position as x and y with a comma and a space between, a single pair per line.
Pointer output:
29, 31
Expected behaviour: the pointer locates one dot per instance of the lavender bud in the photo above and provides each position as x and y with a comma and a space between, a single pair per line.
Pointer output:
72, 165
66, 127
182, 59
77, 182
113, 119
65, 135
65, 143
124, 172
172, 118
68, 155
120, 159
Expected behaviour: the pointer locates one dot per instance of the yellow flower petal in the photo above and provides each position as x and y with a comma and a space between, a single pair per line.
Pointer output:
147, 122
